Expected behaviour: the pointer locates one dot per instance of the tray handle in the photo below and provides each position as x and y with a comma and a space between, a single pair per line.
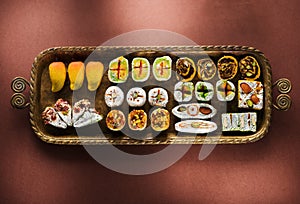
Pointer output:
283, 100
18, 100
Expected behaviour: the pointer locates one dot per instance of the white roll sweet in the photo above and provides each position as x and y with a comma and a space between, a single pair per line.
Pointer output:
114, 96
136, 97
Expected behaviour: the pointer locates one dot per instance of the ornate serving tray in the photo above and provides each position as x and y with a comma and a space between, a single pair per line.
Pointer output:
190, 95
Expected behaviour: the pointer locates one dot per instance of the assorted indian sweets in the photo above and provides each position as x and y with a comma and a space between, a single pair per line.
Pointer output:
236, 80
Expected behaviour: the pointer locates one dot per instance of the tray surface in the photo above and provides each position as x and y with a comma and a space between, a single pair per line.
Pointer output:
41, 96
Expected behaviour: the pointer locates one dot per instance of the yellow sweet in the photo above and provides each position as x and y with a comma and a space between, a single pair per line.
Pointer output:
76, 75
57, 72
94, 73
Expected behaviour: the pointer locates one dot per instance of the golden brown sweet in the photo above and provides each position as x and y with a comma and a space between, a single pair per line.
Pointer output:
206, 69
94, 73
137, 120
57, 72
160, 119
76, 75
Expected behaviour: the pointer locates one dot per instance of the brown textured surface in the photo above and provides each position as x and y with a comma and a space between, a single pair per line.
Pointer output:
32, 171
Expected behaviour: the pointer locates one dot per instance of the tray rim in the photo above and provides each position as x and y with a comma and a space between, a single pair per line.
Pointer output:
172, 140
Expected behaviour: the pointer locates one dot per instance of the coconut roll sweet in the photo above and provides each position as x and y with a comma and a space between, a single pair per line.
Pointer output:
158, 97
225, 90
136, 97
183, 91
113, 96
204, 91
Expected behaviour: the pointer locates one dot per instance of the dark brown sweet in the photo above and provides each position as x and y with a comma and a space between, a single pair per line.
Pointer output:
185, 68
205, 110
227, 67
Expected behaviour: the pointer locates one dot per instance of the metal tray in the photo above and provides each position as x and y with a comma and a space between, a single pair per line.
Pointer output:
41, 95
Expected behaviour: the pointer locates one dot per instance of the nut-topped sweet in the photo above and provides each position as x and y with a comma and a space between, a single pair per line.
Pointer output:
249, 68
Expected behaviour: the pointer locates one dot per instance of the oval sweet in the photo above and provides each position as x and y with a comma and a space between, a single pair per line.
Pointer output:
162, 68
140, 69
118, 70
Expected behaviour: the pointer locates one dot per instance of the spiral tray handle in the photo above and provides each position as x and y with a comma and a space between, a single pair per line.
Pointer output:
284, 85
283, 100
18, 100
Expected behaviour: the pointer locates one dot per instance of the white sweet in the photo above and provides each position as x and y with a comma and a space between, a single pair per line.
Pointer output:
158, 97
113, 96
136, 97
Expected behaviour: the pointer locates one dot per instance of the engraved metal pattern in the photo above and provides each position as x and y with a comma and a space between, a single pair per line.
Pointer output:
284, 85
283, 102
184, 140
18, 101
18, 84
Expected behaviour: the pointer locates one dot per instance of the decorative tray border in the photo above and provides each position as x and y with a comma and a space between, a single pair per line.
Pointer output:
66, 140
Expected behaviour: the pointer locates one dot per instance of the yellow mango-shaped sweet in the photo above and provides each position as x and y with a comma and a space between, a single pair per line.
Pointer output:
94, 73
57, 72
76, 75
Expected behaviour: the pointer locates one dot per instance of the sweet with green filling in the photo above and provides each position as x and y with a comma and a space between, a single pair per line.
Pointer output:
249, 68
162, 68
183, 91
204, 91
118, 70
140, 69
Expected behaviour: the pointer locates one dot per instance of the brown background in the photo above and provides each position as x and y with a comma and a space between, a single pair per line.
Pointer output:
35, 172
